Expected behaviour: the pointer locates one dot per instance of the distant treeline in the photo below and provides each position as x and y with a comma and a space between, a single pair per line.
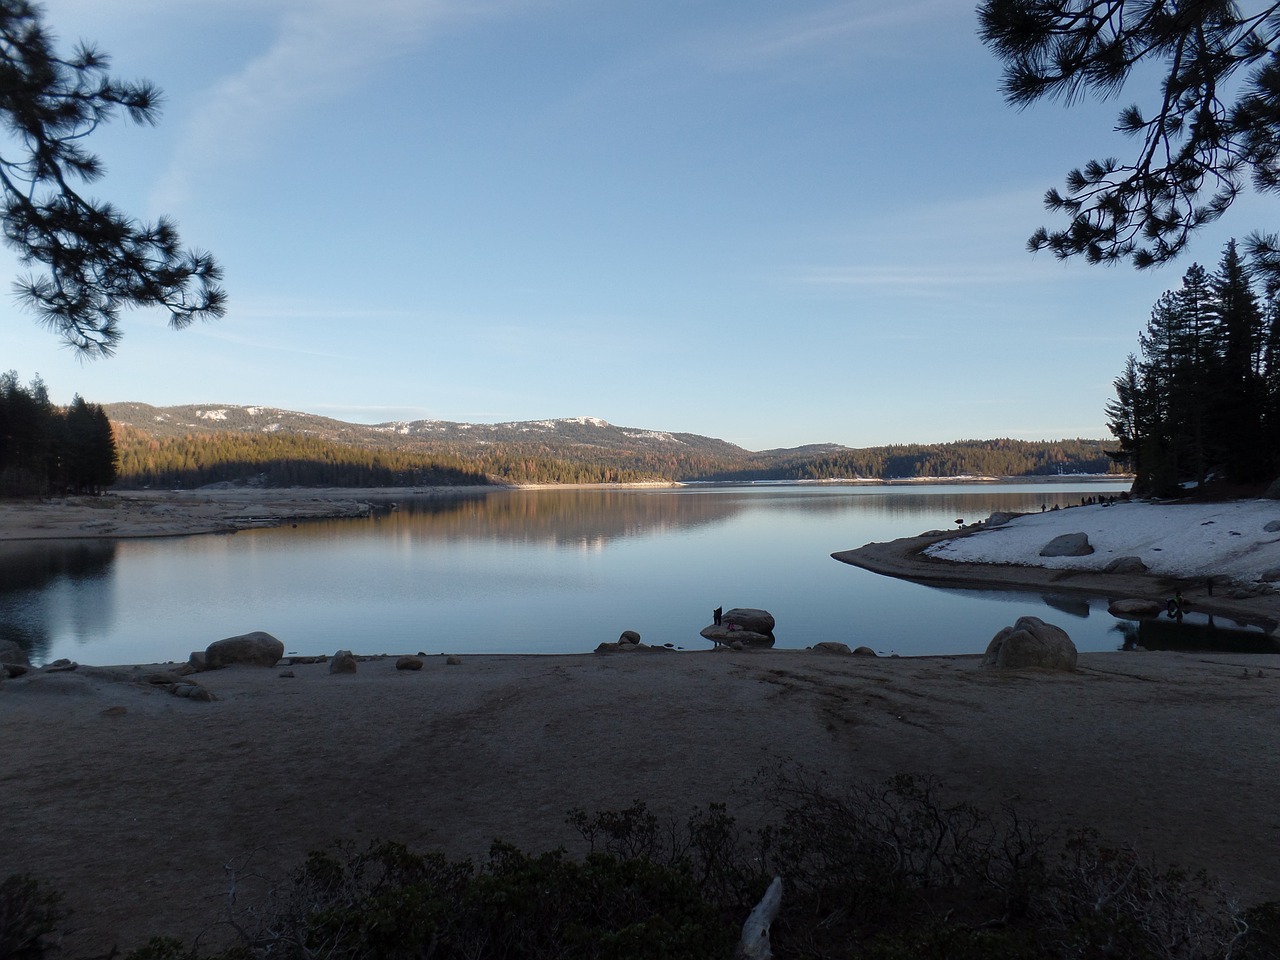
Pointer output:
277, 460
964, 458
280, 459
45, 449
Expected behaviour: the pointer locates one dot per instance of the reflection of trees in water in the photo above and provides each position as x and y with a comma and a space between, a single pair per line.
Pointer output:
1194, 634
29, 570
595, 516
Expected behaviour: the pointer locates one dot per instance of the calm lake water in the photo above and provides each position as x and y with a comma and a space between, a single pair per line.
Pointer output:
542, 571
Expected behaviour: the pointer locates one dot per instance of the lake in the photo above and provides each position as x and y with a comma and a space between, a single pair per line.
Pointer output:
544, 571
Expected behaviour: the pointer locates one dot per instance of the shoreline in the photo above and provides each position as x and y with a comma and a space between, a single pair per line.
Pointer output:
134, 514
127, 788
904, 559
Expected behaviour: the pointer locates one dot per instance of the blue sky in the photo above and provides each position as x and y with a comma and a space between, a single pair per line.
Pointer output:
772, 223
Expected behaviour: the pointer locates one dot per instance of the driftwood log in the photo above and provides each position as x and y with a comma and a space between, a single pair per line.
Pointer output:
754, 944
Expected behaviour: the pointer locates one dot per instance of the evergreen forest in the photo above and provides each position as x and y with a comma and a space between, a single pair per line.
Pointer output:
282, 459
1200, 401
45, 449
48, 450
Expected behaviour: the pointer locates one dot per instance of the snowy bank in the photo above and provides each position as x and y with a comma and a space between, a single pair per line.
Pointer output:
1193, 540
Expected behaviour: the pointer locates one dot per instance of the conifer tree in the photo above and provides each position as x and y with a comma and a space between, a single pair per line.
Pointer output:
94, 259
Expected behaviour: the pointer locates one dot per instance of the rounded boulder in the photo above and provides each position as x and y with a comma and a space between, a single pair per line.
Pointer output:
1031, 642
255, 649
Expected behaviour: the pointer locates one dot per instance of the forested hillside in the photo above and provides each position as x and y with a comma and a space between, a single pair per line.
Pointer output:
193, 446
965, 458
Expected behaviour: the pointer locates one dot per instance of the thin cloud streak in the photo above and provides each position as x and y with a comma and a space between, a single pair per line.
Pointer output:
839, 27
322, 48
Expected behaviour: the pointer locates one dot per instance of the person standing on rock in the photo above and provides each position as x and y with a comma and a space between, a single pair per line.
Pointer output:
717, 614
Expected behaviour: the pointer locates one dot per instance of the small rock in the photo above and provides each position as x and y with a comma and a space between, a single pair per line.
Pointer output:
1272, 526
1125, 565
453, 660
832, 646
864, 652
343, 661
1135, 609
287, 674
408, 663
114, 712
61, 666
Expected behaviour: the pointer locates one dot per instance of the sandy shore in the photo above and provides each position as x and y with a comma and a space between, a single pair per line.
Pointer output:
173, 513
133, 801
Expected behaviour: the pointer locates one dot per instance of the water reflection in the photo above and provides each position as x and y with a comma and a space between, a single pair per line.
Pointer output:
1196, 632
534, 571
44, 584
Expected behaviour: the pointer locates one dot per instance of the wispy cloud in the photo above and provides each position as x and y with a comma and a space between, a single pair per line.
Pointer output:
844, 27
321, 48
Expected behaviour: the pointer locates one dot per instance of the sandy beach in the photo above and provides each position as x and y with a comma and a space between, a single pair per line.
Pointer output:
136, 803
117, 786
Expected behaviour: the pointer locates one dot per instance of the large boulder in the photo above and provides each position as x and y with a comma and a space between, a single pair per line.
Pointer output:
742, 627
255, 649
10, 652
750, 619
1271, 526
832, 646
1031, 643
1068, 545
999, 518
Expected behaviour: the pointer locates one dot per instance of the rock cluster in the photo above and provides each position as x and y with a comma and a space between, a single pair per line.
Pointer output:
742, 627
628, 642
841, 649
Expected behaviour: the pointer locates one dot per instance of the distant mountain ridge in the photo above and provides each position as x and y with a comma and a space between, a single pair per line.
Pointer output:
193, 444
562, 434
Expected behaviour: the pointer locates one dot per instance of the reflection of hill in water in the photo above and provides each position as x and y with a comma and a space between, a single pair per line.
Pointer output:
562, 517
593, 516
31, 568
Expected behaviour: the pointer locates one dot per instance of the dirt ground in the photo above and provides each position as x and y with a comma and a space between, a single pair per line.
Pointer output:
136, 803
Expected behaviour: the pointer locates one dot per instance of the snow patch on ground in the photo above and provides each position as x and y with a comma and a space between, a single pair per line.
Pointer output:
212, 414
651, 435
1225, 540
